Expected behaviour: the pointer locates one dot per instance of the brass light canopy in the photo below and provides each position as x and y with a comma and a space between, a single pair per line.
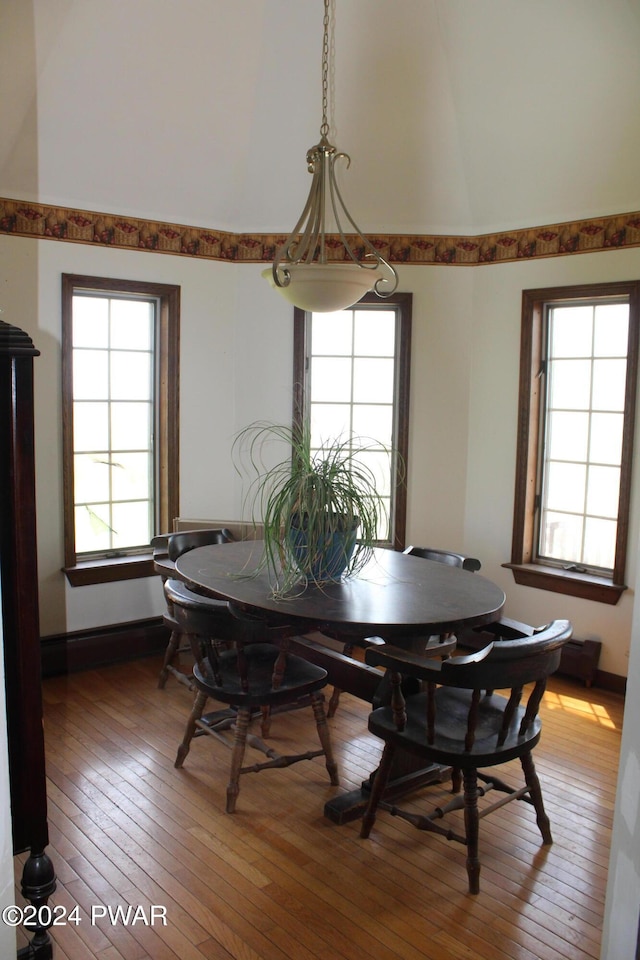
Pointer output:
320, 271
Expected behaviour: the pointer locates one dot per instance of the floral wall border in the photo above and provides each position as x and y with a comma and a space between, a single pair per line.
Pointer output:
26, 219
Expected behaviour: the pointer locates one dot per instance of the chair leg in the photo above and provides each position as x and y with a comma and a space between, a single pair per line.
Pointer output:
194, 716
265, 723
377, 789
471, 823
241, 727
169, 657
324, 737
535, 792
456, 780
334, 702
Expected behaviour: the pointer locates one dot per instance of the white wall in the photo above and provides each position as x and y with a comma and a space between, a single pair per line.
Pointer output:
31, 300
623, 888
236, 335
201, 112
236, 362
464, 386
439, 404
492, 444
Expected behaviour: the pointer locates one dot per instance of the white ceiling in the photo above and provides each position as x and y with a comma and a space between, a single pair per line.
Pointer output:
460, 116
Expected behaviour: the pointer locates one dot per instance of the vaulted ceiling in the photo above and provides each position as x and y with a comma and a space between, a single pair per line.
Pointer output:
460, 116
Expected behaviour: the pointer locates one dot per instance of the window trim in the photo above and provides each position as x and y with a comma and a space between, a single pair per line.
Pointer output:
83, 572
403, 302
526, 571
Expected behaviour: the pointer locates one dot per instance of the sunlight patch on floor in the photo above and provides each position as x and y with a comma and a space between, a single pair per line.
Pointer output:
590, 711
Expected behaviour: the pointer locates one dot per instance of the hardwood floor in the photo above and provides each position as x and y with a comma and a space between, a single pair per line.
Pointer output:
277, 881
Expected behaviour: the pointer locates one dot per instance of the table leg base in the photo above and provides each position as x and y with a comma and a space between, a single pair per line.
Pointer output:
351, 806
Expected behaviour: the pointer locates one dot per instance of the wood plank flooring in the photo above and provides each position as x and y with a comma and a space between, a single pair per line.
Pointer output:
277, 881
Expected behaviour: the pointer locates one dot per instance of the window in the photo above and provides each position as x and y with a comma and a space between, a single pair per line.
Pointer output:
575, 438
120, 423
351, 376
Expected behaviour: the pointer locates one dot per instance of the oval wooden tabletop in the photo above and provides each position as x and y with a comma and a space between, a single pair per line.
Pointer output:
393, 595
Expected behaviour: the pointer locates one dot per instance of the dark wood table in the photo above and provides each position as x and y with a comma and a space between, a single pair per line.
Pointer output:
396, 597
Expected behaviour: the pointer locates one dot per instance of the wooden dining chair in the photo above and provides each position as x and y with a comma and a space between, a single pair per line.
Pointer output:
458, 721
255, 676
427, 553
171, 546
445, 556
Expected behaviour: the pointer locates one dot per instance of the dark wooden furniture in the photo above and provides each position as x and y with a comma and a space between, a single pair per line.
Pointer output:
395, 597
426, 553
580, 659
220, 623
171, 546
445, 556
251, 675
21, 627
458, 721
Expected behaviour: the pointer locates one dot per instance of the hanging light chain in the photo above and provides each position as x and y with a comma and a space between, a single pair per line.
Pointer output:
306, 247
324, 128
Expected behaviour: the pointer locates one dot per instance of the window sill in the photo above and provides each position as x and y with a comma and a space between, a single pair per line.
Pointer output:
583, 585
108, 571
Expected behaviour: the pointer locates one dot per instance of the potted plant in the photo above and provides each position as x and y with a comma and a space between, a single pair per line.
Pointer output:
320, 508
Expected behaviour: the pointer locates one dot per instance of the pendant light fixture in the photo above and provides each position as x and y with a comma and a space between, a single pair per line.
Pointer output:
317, 269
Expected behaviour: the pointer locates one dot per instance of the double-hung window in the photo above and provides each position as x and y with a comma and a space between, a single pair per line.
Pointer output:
120, 342
577, 402
351, 377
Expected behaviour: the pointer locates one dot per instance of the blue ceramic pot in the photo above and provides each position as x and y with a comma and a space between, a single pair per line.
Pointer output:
326, 561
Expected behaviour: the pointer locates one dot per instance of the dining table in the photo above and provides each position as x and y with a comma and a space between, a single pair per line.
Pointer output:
393, 597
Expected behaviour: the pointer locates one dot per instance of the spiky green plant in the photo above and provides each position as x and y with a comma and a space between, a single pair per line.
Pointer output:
310, 496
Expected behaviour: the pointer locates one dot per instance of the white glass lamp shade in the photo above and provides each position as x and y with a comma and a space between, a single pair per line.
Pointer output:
325, 287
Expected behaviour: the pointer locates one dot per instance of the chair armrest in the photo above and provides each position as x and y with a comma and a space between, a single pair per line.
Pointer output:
402, 661
508, 629
548, 637
416, 664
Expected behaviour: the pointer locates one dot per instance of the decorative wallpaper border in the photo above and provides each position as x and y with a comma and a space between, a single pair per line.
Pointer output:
81, 226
